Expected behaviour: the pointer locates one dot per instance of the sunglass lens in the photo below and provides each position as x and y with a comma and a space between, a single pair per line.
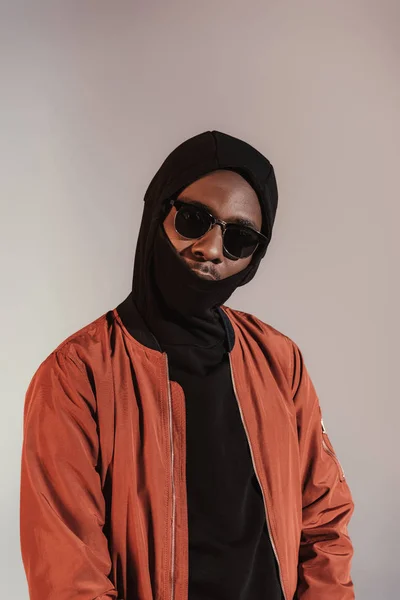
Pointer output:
191, 222
240, 242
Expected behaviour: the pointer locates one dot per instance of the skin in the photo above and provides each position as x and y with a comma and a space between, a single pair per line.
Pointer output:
228, 196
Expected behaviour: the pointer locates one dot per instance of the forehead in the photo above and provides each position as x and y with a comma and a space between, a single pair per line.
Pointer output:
227, 194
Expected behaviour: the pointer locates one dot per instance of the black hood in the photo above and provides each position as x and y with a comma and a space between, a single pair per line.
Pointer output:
192, 159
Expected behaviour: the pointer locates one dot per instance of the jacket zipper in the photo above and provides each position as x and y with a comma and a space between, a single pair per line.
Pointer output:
172, 481
258, 479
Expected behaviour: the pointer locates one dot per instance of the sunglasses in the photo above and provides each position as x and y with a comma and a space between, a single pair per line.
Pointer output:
192, 222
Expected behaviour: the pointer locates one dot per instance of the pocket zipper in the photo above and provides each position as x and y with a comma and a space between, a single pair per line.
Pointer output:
332, 454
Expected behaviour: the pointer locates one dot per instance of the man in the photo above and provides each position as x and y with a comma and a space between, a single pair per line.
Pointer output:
174, 448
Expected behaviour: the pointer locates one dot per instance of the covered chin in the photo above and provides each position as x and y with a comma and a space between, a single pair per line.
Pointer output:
181, 288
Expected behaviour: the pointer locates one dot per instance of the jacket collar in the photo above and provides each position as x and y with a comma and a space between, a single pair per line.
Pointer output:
134, 323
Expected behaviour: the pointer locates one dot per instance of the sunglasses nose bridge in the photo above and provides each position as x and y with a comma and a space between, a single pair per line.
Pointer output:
221, 224
212, 226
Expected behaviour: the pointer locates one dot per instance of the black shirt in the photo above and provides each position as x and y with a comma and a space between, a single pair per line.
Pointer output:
230, 552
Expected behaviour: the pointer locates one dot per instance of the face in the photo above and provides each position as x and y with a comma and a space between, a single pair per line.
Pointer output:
229, 197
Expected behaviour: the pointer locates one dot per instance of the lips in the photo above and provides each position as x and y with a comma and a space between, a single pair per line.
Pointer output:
193, 266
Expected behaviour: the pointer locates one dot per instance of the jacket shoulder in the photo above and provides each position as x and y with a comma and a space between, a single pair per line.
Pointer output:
251, 322
81, 346
279, 347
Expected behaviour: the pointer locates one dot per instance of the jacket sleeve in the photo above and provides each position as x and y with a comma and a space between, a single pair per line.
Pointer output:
326, 551
62, 508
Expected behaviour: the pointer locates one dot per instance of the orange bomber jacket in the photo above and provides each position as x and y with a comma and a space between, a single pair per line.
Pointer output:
103, 509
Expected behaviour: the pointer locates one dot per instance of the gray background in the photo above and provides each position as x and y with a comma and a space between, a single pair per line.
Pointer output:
95, 94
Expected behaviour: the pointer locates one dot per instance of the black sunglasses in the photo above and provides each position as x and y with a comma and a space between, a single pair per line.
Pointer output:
193, 221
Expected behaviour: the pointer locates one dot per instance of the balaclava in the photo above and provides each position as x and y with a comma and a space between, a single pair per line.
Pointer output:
174, 302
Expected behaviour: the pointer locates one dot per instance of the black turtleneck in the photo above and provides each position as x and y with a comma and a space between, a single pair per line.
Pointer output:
230, 553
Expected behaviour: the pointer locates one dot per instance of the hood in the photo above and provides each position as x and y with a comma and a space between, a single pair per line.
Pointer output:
192, 159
